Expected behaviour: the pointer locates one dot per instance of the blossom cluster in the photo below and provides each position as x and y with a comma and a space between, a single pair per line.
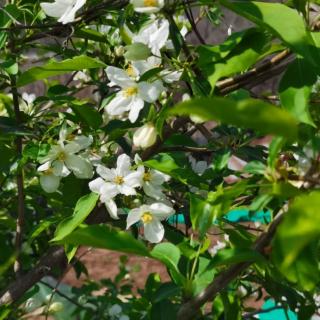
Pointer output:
123, 180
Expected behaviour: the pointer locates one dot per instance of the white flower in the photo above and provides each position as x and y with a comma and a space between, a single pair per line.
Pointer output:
154, 35
218, 246
62, 158
121, 180
145, 137
147, 6
48, 180
26, 103
65, 10
151, 180
132, 95
151, 217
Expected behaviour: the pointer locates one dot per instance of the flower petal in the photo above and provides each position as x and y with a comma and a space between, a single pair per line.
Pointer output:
161, 210
83, 141
154, 231
135, 106
153, 191
133, 217
112, 209
69, 15
150, 92
133, 179
123, 165
44, 167
96, 185
105, 173
49, 183
119, 77
59, 169
119, 104
108, 191
127, 190
80, 167
54, 9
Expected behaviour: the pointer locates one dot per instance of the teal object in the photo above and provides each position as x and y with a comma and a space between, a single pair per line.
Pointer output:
278, 314
246, 216
233, 216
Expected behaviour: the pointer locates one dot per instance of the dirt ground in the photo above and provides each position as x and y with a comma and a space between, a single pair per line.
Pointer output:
103, 264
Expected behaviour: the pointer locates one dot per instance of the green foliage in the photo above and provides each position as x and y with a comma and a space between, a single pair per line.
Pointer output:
247, 113
55, 68
296, 243
235, 130
106, 237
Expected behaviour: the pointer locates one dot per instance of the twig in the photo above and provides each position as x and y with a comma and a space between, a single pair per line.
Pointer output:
55, 258
190, 309
55, 288
20, 185
61, 294
231, 84
186, 149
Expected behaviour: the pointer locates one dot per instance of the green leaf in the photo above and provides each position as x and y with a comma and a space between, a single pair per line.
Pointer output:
255, 167
284, 22
177, 166
202, 214
248, 113
90, 35
169, 255
244, 55
87, 113
274, 150
55, 68
295, 89
106, 237
6, 14
301, 225
83, 208
294, 245
235, 255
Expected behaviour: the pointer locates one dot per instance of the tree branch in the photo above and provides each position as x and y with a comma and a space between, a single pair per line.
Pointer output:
55, 258
190, 309
20, 184
231, 84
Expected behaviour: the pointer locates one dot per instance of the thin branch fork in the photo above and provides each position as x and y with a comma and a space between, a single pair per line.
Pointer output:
190, 309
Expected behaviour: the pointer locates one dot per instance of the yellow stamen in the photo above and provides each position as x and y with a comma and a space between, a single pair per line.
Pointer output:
131, 91
150, 3
147, 177
130, 71
70, 137
146, 217
61, 156
48, 172
118, 180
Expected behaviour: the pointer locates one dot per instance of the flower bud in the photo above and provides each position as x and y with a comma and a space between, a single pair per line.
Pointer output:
145, 136
55, 307
137, 51
119, 51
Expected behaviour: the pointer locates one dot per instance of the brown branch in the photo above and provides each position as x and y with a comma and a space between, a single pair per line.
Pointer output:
190, 309
231, 84
20, 184
55, 258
